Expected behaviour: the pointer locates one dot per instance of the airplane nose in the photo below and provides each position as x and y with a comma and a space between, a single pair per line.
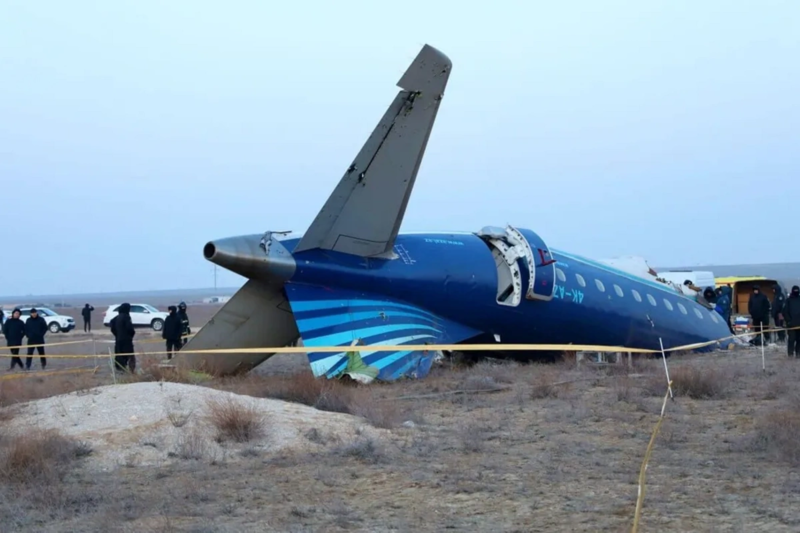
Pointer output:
244, 256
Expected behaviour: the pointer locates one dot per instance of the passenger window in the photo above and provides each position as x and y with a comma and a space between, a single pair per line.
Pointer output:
682, 308
651, 300
636, 295
618, 290
581, 281
668, 304
137, 309
698, 313
560, 274
600, 286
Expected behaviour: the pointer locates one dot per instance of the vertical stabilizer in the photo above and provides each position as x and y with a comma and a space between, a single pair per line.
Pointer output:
363, 214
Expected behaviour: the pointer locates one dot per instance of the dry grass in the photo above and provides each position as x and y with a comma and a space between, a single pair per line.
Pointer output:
565, 459
234, 420
153, 369
324, 394
192, 445
38, 456
777, 431
777, 435
549, 381
13, 391
700, 383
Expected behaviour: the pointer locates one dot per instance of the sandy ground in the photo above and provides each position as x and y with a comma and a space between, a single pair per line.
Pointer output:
139, 422
530, 456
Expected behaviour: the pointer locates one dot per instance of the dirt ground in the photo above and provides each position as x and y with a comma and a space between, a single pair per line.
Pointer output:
520, 448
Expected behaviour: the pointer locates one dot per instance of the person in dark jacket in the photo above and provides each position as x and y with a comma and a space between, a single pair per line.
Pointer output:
185, 329
123, 331
758, 307
14, 331
172, 331
723, 307
777, 312
35, 330
86, 312
791, 312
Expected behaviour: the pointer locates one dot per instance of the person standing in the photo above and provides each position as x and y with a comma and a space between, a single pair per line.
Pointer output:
14, 331
723, 307
777, 312
758, 307
172, 331
86, 312
122, 329
791, 312
35, 330
185, 329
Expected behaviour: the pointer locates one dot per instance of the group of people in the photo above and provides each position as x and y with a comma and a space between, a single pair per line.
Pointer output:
176, 328
34, 328
784, 312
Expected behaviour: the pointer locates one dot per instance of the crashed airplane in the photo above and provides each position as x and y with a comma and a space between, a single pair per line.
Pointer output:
353, 278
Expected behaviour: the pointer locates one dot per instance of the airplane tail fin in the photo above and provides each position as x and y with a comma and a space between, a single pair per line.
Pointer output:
363, 214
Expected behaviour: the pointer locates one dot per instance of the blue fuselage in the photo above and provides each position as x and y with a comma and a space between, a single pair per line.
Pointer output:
455, 276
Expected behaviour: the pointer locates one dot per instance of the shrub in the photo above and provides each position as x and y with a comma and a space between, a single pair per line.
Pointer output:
235, 421
776, 434
39, 456
699, 383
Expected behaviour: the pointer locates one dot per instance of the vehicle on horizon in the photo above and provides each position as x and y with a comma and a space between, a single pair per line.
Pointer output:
56, 323
142, 316
352, 283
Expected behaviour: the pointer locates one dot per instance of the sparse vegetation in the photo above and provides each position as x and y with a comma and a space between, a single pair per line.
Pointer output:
364, 450
624, 387
777, 432
324, 394
700, 383
39, 457
548, 383
516, 449
179, 418
235, 421
154, 369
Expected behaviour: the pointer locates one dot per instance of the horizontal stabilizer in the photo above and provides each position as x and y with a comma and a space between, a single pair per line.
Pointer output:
338, 317
257, 316
363, 214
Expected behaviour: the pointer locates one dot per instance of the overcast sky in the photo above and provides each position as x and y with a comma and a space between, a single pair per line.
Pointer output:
132, 132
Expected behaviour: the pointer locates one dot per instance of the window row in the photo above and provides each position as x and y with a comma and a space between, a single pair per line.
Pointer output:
636, 296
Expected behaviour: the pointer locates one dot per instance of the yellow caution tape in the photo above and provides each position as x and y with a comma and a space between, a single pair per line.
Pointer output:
640, 498
51, 344
418, 347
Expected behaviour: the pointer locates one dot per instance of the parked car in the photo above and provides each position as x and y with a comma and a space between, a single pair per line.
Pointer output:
55, 323
142, 316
